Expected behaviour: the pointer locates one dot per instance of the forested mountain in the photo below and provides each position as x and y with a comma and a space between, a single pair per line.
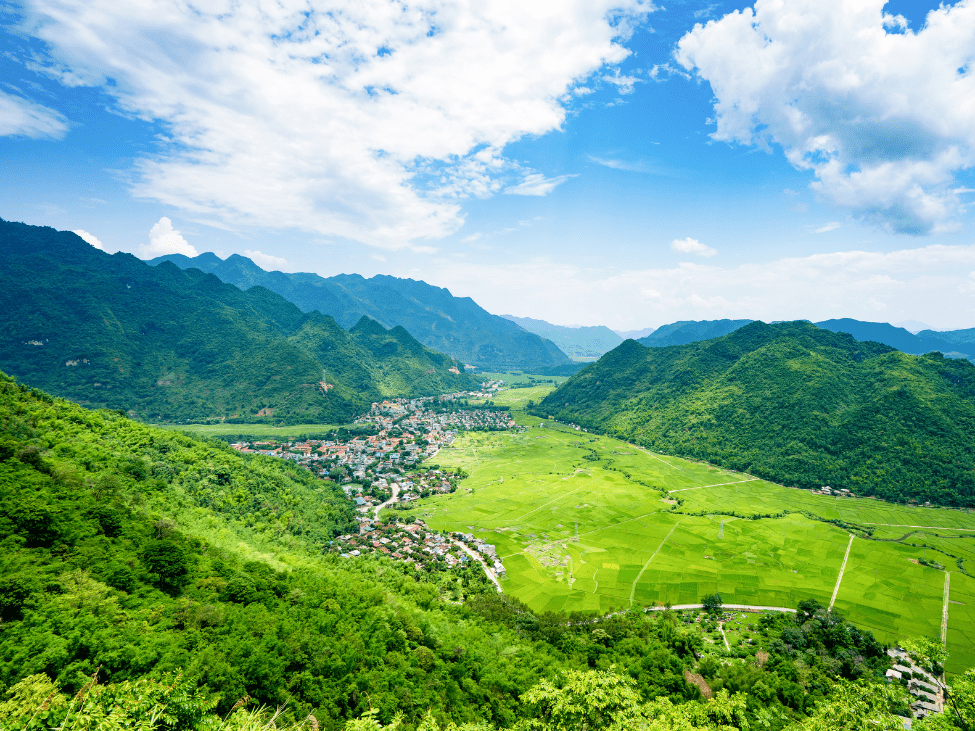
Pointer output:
954, 343
153, 581
582, 343
690, 331
166, 344
791, 403
457, 326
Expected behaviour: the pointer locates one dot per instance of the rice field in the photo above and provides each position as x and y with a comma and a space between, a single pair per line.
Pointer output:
589, 523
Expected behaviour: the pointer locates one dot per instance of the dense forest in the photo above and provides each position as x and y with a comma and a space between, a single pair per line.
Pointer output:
165, 344
152, 580
794, 404
457, 326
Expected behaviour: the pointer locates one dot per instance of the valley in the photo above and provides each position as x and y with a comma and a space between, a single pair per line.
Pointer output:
588, 523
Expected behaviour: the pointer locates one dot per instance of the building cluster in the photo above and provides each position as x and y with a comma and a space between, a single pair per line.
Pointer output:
385, 469
411, 542
489, 552
927, 693
836, 491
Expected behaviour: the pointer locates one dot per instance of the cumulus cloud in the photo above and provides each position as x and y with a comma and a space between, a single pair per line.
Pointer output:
164, 239
935, 284
24, 118
537, 184
359, 119
90, 238
691, 246
884, 116
266, 261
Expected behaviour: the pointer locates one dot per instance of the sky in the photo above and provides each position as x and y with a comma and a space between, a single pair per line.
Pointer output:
590, 162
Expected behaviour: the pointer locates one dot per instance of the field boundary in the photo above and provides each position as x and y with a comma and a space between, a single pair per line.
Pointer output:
924, 527
637, 579
718, 484
839, 579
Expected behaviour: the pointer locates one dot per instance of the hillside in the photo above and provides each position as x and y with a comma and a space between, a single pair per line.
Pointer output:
794, 404
166, 344
457, 326
579, 343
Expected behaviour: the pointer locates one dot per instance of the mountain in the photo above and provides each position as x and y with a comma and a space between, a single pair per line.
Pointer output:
457, 326
926, 341
634, 334
579, 343
794, 404
953, 343
960, 339
689, 331
166, 344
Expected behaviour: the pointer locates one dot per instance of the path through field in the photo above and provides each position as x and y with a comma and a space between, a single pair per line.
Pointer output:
637, 579
944, 611
839, 579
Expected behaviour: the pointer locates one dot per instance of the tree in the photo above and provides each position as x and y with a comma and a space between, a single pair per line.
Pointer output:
712, 603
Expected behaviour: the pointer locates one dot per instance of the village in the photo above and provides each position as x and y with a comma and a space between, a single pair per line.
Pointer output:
386, 469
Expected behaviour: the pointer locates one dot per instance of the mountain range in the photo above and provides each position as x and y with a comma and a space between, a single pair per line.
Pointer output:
166, 344
457, 326
793, 403
579, 343
953, 343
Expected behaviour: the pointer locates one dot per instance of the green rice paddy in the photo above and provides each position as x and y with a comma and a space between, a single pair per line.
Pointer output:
589, 523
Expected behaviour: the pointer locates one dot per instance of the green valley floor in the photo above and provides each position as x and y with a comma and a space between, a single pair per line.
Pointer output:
589, 523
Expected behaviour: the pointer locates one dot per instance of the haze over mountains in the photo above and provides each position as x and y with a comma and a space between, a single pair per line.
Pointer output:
579, 343
792, 403
162, 343
457, 326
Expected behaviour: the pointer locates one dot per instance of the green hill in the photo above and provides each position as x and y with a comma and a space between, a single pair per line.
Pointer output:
579, 343
457, 326
164, 344
793, 404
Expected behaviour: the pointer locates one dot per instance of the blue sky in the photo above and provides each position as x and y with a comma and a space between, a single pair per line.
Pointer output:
586, 163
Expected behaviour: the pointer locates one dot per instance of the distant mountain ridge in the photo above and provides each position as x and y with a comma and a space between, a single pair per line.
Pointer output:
162, 343
953, 343
579, 343
792, 403
457, 326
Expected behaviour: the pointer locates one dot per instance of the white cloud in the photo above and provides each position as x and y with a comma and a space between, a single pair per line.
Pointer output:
883, 119
935, 284
364, 120
832, 226
470, 239
266, 261
537, 184
90, 238
164, 239
691, 246
22, 117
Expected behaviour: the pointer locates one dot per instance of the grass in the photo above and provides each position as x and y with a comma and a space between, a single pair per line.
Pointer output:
251, 430
586, 522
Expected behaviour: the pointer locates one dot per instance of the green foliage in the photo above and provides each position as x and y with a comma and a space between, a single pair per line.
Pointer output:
711, 603
163, 344
793, 404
